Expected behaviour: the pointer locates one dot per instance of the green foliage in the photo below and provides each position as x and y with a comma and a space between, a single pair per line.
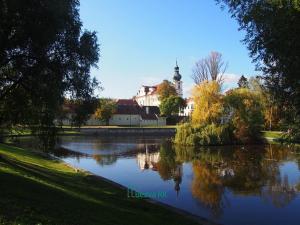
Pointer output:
240, 120
292, 135
105, 110
171, 105
243, 82
272, 110
272, 35
83, 109
211, 134
44, 55
247, 116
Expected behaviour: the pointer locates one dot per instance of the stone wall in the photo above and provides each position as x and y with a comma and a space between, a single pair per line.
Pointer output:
129, 131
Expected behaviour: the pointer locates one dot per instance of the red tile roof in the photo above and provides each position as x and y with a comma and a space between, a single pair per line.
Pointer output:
126, 102
128, 110
130, 107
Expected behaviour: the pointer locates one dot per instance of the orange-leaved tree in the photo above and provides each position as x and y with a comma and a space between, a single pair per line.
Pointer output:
166, 89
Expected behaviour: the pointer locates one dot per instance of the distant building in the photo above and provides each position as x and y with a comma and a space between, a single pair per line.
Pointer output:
142, 110
147, 95
188, 110
130, 113
177, 80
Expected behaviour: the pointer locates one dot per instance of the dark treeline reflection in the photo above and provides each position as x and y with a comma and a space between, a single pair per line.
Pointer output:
243, 170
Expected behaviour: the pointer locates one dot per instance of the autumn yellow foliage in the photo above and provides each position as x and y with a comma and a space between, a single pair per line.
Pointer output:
208, 103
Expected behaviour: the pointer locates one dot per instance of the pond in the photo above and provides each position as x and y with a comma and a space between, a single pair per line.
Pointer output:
229, 185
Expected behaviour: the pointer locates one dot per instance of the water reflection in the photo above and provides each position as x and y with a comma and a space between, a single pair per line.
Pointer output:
243, 171
225, 184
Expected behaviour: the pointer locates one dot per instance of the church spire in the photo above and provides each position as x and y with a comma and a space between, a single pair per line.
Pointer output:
177, 76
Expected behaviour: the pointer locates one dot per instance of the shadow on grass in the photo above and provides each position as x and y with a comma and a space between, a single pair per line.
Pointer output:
34, 194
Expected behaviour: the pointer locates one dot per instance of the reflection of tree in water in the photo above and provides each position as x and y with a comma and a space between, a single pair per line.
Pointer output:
243, 170
167, 166
207, 186
280, 193
103, 160
250, 170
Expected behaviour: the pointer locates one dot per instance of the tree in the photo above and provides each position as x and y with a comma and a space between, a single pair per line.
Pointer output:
271, 109
208, 103
107, 107
171, 105
243, 82
210, 68
44, 55
165, 90
246, 114
83, 109
272, 38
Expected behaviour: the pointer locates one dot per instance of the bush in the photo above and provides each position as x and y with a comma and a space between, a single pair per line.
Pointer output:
211, 134
247, 116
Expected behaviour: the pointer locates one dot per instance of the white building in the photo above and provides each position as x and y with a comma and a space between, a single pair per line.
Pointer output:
187, 111
129, 113
147, 95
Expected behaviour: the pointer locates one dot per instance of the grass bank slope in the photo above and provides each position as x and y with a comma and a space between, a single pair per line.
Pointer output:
35, 189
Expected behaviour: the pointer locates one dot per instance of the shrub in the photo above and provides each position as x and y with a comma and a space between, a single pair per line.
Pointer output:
247, 117
211, 134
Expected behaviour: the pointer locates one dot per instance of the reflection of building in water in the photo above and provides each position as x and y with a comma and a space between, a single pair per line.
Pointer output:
226, 172
147, 160
164, 164
280, 192
177, 177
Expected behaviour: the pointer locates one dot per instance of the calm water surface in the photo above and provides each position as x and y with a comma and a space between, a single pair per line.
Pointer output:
230, 185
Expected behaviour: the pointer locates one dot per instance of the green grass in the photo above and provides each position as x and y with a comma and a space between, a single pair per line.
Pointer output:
113, 126
35, 189
272, 134
27, 132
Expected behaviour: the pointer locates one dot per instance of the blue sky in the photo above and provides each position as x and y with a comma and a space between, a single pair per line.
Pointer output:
141, 39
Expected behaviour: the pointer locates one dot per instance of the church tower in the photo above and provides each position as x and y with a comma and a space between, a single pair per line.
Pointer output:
177, 80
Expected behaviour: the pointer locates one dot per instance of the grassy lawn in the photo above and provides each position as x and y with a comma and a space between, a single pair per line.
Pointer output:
27, 132
162, 127
272, 134
35, 189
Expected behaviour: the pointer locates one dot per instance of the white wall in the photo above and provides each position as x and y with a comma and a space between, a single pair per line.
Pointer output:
187, 111
161, 121
148, 100
126, 119
123, 120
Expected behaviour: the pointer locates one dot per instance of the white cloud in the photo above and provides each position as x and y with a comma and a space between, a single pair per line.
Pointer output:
231, 78
230, 81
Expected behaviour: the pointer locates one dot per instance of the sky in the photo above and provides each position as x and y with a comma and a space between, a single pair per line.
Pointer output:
140, 41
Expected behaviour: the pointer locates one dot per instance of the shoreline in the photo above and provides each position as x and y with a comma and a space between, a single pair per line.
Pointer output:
198, 219
46, 180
